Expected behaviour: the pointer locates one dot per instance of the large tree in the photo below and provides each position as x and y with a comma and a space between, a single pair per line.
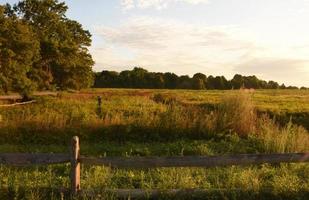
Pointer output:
19, 49
64, 58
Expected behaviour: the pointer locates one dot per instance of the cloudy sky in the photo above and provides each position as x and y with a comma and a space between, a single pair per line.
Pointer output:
268, 38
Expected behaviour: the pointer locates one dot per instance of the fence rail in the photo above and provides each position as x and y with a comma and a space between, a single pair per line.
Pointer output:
23, 159
197, 161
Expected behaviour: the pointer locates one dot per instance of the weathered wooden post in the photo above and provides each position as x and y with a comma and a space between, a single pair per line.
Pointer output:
99, 107
75, 166
99, 101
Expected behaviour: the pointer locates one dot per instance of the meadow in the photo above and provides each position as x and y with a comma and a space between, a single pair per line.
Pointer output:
160, 123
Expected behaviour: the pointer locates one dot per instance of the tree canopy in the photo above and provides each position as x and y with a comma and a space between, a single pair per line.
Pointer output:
141, 78
41, 48
19, 49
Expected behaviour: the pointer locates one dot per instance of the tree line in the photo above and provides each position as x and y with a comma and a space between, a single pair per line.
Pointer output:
42, 49
141, 78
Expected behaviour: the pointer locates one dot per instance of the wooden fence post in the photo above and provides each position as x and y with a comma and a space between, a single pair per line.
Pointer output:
75, 166
99, 107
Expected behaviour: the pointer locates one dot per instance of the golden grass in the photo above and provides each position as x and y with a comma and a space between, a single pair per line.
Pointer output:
237, 113
289, 138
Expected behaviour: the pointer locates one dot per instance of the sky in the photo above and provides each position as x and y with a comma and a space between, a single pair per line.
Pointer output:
266, 38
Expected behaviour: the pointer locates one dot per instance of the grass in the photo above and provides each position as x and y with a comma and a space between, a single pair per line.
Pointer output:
285, 180
161, 123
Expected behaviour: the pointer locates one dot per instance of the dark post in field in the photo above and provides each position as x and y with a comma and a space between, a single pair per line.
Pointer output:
99, 107
75, 166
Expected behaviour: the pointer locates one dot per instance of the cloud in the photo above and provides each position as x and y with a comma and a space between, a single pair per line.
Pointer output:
159, 44
157, 4
169, 45
155, 33
285, 70
127, 4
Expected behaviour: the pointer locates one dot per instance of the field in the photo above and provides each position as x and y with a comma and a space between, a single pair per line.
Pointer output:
161, 123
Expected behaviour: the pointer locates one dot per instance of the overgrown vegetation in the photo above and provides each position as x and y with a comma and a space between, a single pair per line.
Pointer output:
159, 123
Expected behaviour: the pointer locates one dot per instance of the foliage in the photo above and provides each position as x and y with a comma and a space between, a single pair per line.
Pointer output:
41, 47
141, 78
18, 51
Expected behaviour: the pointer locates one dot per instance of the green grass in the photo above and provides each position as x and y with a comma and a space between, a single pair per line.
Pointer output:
161, 123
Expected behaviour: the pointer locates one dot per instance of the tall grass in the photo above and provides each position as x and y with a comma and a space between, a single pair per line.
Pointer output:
139, 123
237, 113
289, 138
144, 119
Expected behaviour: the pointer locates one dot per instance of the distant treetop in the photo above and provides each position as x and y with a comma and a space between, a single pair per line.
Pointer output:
141, 78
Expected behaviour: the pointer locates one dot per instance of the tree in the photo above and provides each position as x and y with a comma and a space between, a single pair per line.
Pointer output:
171, 80
138, 77
226, 84
251, 82
237, 81
19, 49
64, 57
282, 86
107, 79
292, 88
272, 85
263, 84
200, 76
199, 81
125, 79
156, 80
219, 82
210, 83
184, 82
198, 84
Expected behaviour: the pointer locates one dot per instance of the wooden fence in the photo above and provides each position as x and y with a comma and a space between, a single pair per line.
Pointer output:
21, 159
